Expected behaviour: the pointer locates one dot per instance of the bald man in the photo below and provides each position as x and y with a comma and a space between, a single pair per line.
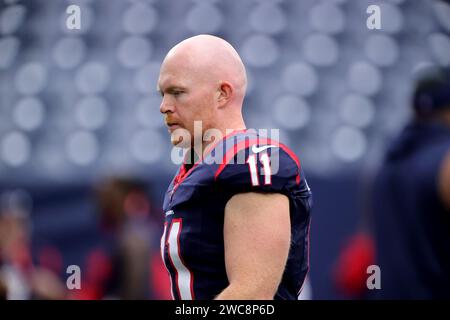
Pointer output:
238, 209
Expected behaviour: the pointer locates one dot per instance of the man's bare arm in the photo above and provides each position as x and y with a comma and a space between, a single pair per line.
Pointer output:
257, 234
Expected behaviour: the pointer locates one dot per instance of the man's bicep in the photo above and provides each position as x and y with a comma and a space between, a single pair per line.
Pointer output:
444, 181
257, 239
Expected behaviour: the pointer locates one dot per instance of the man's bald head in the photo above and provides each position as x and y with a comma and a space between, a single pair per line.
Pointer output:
202, 79
210, 58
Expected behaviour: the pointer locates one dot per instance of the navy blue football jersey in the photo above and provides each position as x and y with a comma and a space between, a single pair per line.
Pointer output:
192, 245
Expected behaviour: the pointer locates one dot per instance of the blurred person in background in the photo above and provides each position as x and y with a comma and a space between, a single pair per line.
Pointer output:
20, 278
411, 199
406, 228
128, 266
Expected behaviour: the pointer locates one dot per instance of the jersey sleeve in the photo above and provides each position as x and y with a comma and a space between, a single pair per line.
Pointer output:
262, 168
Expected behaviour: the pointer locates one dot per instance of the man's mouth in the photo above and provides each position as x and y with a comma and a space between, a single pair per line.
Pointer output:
173, 126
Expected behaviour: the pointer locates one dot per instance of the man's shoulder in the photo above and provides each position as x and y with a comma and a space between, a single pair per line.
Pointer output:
240, 149
249, 158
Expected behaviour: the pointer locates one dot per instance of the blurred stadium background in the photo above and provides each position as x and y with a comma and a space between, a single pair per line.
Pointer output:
79, 106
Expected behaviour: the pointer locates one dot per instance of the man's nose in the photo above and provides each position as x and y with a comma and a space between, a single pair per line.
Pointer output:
166, 106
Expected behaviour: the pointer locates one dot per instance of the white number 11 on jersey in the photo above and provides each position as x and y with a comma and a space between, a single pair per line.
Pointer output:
253, 167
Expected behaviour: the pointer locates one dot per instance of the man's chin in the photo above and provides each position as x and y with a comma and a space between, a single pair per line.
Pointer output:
180, 138
180, 142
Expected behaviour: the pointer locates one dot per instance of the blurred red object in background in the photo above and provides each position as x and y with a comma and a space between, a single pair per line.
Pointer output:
350, 273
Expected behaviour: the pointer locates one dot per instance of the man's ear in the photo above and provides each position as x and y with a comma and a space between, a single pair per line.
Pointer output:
225, 92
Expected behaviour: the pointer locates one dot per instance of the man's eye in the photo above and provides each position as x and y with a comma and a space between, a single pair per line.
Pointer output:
177, 93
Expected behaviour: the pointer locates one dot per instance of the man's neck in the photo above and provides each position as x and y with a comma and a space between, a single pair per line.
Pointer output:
195, 151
